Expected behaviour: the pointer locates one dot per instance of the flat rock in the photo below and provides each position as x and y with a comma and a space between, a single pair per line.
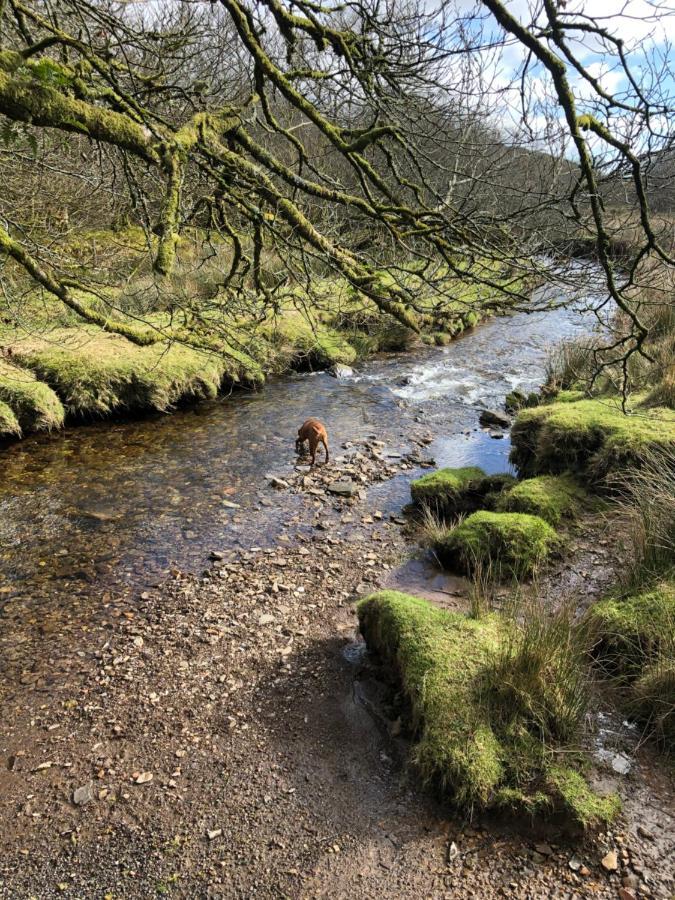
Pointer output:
344, 487
84, 794
494, 417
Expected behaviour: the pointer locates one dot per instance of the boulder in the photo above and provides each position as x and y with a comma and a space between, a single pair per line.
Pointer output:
494, 417
339, 370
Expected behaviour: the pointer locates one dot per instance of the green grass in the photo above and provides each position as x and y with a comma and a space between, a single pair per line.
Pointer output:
9, 424
552, 497
34, 403
95, 373
634, 641
508, 544
473, 741
630, 632
590, 437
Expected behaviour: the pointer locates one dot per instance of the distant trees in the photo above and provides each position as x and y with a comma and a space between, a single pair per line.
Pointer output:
334, 138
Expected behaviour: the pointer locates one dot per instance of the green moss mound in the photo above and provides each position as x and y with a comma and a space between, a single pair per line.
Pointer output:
552, 497
302, 346
448, 491
635, 641
653, 697
592, 437
34, 403
504, 544
97, 373
631, 632
9, 424
479, 752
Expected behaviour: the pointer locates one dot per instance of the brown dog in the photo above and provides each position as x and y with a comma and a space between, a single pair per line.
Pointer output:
315, 432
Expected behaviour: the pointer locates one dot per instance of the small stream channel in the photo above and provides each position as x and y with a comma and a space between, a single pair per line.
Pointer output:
95, 511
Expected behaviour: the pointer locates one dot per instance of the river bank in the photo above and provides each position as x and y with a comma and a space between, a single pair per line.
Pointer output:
222, 735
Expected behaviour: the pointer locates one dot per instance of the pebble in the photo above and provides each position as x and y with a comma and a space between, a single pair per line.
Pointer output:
142, 777
610, 862
214, 833
84, 794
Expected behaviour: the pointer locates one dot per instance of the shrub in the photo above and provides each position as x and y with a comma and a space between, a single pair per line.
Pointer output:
512, 544
653, 699
474, 741
552, 497
647, 503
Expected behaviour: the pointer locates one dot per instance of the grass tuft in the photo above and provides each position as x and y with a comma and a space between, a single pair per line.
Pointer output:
9, 424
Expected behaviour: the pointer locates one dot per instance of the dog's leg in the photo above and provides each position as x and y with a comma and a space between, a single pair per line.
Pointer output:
325, 447
312, 449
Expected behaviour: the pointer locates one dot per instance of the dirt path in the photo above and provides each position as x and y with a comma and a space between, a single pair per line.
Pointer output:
222, 737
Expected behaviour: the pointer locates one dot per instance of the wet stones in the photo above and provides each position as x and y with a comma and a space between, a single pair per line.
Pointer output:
343, 487
494, 417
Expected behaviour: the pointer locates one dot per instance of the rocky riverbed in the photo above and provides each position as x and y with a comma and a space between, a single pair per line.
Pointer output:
223, 735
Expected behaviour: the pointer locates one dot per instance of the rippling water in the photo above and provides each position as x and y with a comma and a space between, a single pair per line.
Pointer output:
105, 507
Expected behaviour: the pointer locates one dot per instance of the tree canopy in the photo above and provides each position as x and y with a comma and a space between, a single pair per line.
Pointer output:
387, 144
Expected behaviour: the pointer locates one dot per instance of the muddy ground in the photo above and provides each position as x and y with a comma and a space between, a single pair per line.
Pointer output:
224, 735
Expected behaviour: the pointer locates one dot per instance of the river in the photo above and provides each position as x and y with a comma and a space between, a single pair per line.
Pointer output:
92, 512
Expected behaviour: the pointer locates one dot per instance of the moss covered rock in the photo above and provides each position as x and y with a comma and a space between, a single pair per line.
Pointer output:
504, 544
482, 754
635, 641
593, 437
552, 497
448, 491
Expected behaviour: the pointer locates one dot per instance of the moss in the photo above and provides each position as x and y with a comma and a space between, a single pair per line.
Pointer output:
587, 807
630, 632
36, 406
9, 424
95, 373
448, 491
302, 345
439, 657
466, 743
653, 697
593, 437
570, 396
506, 544
552, 497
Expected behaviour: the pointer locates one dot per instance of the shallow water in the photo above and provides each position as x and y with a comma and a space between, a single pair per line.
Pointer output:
104, 508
